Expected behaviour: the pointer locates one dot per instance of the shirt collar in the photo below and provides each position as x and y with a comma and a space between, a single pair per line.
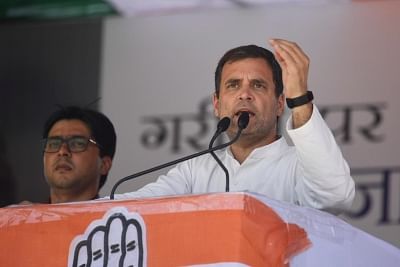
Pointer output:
273, 149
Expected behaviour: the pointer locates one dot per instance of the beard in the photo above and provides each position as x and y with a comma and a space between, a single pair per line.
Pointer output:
257, 130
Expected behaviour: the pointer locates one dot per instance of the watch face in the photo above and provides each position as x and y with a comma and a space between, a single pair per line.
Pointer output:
299, 101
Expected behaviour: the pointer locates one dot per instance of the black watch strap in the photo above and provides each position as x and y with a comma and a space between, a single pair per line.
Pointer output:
299, 101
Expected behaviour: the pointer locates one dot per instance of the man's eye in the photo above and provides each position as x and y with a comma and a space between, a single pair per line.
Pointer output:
233, 85
77, 143
259, 85
53, 144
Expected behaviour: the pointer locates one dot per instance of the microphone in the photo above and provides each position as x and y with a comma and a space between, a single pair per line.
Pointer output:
243, 121
222, 126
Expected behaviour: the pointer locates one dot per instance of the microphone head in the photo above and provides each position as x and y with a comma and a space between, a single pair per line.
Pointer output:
223, 124
243, 120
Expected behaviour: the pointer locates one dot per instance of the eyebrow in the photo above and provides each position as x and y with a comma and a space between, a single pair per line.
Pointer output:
260, 81
232, 80
66, 136
252, 81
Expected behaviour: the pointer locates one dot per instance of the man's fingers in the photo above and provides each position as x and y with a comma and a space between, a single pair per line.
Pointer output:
294, 64
290, 46
290, 52
285, 58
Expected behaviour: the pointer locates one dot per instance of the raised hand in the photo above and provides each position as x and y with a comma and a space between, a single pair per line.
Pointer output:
295, 65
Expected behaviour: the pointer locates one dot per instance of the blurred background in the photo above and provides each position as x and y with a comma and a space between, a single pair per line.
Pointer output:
149, 66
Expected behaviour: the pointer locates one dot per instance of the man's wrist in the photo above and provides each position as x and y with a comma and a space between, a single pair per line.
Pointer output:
299, 101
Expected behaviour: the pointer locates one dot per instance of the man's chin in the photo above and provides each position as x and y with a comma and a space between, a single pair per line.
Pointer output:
62, 181
233, 130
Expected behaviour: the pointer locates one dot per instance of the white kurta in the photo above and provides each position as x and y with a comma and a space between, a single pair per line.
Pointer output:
311, 173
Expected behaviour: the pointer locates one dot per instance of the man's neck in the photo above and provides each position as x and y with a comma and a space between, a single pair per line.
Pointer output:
63, 197
244, 146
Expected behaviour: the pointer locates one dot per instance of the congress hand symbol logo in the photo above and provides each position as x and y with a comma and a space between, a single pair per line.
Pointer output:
118, 239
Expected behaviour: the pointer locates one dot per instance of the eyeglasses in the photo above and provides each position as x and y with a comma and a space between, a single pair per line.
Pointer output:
74, 143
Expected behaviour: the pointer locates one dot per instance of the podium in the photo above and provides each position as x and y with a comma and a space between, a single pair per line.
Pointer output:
222, 229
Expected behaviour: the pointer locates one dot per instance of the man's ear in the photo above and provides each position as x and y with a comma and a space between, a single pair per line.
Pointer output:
216, 105
281, 105
106, 163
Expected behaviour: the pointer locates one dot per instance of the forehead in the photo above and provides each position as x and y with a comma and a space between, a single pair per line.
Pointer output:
69, 127
257, 67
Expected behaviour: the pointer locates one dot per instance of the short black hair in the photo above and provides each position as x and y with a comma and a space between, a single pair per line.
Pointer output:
101, 128
250, 51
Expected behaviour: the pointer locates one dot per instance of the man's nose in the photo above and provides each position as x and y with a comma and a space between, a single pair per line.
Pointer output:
245, 93
64, 150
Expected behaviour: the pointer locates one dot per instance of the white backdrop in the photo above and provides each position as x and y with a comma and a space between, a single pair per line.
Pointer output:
163, 67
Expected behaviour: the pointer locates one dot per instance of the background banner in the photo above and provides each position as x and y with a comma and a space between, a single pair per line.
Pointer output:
157, 83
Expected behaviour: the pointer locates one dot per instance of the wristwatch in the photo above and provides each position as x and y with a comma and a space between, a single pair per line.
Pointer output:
300, 100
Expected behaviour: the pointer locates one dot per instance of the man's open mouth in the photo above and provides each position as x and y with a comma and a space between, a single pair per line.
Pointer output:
244, 110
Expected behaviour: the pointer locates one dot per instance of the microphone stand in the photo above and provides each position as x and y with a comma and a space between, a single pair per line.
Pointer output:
220, 164
242, 123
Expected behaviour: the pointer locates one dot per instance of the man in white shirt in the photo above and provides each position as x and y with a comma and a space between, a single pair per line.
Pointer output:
311, 173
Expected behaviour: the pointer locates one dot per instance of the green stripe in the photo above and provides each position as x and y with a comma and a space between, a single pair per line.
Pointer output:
53, 9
